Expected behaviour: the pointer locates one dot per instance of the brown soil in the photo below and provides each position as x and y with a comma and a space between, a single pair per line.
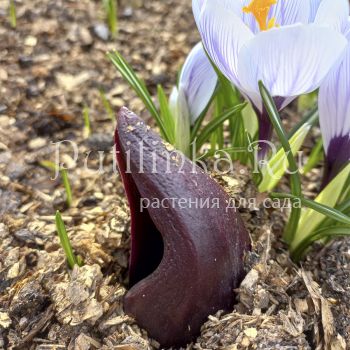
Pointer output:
51, 66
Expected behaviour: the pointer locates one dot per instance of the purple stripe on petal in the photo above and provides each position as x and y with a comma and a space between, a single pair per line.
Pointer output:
287, 12
315, 4
338, 155
198, 80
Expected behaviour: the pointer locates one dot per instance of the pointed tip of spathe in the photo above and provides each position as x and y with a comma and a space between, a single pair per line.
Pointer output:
123, 113
126, 120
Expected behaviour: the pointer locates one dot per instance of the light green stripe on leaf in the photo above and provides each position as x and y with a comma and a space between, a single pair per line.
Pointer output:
310, 219
278, 164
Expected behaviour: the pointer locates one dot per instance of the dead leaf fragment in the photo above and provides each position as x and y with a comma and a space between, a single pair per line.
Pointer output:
5, 320
70, 82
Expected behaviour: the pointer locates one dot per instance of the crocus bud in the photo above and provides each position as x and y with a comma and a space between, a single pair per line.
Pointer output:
187, 240
197, 81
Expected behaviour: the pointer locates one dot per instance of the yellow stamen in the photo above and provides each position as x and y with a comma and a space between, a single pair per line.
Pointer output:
260, 10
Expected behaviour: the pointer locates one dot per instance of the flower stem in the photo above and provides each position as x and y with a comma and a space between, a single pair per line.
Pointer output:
294, 171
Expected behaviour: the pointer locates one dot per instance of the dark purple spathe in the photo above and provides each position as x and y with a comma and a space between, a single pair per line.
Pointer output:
185, 262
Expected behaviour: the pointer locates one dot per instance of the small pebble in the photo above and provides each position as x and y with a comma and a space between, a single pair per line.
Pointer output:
101, 31
30, 41
3, 74
37, 143
3, 108
100, 142
128, 12
25, 61
85, 37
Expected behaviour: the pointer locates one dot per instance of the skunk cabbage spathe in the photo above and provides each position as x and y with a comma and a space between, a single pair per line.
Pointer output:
186, 257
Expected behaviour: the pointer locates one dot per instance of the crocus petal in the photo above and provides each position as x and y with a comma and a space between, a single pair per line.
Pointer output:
334, 13
291, 60
223, 34
347, 29
198, 80
235, 6
334, 103
196, 8
314, 5
288, 12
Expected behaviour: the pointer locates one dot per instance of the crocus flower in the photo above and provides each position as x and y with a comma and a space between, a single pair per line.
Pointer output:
187, 242
290, 45
334, 110
189, 99
197, 83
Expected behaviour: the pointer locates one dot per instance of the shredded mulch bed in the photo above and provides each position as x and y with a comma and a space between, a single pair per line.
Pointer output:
52, 65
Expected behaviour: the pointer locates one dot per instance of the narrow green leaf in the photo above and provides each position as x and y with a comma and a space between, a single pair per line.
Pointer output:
219, 132
48, 165
310, 118
343, 207
65, 242
181, 116
166, 114
111, 9
197, 125
199, 121
315, 157
250, 119
107, 106
66, 184
321, 234
278, 164
12, 14
139, 87
329, 197
64, 176
87, 125
204, 134
295, 176
307, 101
319, 208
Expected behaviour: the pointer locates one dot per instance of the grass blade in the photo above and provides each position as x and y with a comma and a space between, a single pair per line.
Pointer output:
139, 87
327, 232
87, 124
111, 9
204, 135
329, 197
310, 118
66, 184
165, 113
65, 242
315, 157
107, 106
318, 207
64, 176
12, 14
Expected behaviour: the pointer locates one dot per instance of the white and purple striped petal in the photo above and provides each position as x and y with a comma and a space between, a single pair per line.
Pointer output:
314, 5
287, 12
223, 35
291, 60
334, 110
198, 81
333, 13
